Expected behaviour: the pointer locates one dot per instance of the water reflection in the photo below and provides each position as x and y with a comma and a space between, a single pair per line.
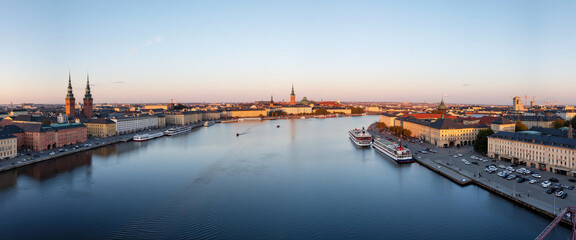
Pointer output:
48, 169
8, 179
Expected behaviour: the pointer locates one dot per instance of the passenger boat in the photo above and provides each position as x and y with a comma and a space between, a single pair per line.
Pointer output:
147, 136
360, 137
177, 130
208, 123
393, 150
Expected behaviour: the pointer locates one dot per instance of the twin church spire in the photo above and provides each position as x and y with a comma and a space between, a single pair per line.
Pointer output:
70, 100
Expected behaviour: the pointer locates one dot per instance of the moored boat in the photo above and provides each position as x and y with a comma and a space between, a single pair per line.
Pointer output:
393, 150
147, 136
360, 137
208, 123
177, 130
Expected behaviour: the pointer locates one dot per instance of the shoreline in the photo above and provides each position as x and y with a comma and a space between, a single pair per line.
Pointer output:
96, 143
464, 178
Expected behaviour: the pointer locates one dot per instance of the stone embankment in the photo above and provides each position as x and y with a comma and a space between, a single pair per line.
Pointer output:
92, 143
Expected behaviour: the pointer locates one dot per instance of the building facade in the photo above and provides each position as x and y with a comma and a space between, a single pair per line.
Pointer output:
297, 109
183, 118
126, 125
40, 137
8, 145
443, 132
547, 153
101, 127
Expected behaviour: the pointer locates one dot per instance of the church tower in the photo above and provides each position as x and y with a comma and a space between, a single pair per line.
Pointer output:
88, 107
292, 96
70, 100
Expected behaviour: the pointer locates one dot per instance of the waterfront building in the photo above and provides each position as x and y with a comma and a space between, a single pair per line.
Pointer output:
158, 106
183, 118
70, 100
133, 124
88, 101
341, 110
292, 96
444, 132
8, 145
211, 115
39, 137
100, 127
297, 109
161, 120
244, 113
534, 149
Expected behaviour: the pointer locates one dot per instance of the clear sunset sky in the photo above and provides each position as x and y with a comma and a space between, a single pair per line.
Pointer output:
239, 51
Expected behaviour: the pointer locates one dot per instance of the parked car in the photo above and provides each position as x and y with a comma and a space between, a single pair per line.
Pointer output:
511, 177
533, 181
521, 179
536, 175
559, 193
550, 190
553, 180
572, 180
546, 184
475, 163
502, 166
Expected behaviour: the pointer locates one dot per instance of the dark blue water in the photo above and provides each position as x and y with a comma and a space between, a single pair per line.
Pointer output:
304, 180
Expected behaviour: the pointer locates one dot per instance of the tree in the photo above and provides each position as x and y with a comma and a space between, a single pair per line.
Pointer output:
406, 133
481, 143
573, 121
357, 110
179, 107
321, 111
380, 125
520, 126
558, 123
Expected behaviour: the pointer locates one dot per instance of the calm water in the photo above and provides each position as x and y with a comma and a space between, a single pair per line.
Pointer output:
304, 180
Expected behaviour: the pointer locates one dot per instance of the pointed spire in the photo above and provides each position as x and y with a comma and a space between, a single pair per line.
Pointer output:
70, 95
292, 94
88, 94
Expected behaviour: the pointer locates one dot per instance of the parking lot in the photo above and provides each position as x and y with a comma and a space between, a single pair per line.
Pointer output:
471, 164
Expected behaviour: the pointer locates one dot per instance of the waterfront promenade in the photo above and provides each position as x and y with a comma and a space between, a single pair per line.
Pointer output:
25, 158
531, 196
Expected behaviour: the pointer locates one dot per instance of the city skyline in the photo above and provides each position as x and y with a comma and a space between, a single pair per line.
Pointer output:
415, 51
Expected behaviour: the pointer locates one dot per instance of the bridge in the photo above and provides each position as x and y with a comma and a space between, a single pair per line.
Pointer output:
568, 214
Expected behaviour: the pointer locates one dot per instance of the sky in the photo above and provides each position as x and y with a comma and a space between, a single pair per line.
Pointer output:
477, 52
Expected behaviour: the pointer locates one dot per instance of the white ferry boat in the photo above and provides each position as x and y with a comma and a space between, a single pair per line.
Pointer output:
208, 123
177, 130
360, 137
393, 150
147, 136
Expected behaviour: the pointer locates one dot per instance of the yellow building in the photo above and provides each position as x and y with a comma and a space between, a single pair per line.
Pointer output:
244, 113
547, 153
183, 118
101, 127
341, 110
297, 109
503, 124
441, 132
8, 145
161, 120
211, 115
387, 119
